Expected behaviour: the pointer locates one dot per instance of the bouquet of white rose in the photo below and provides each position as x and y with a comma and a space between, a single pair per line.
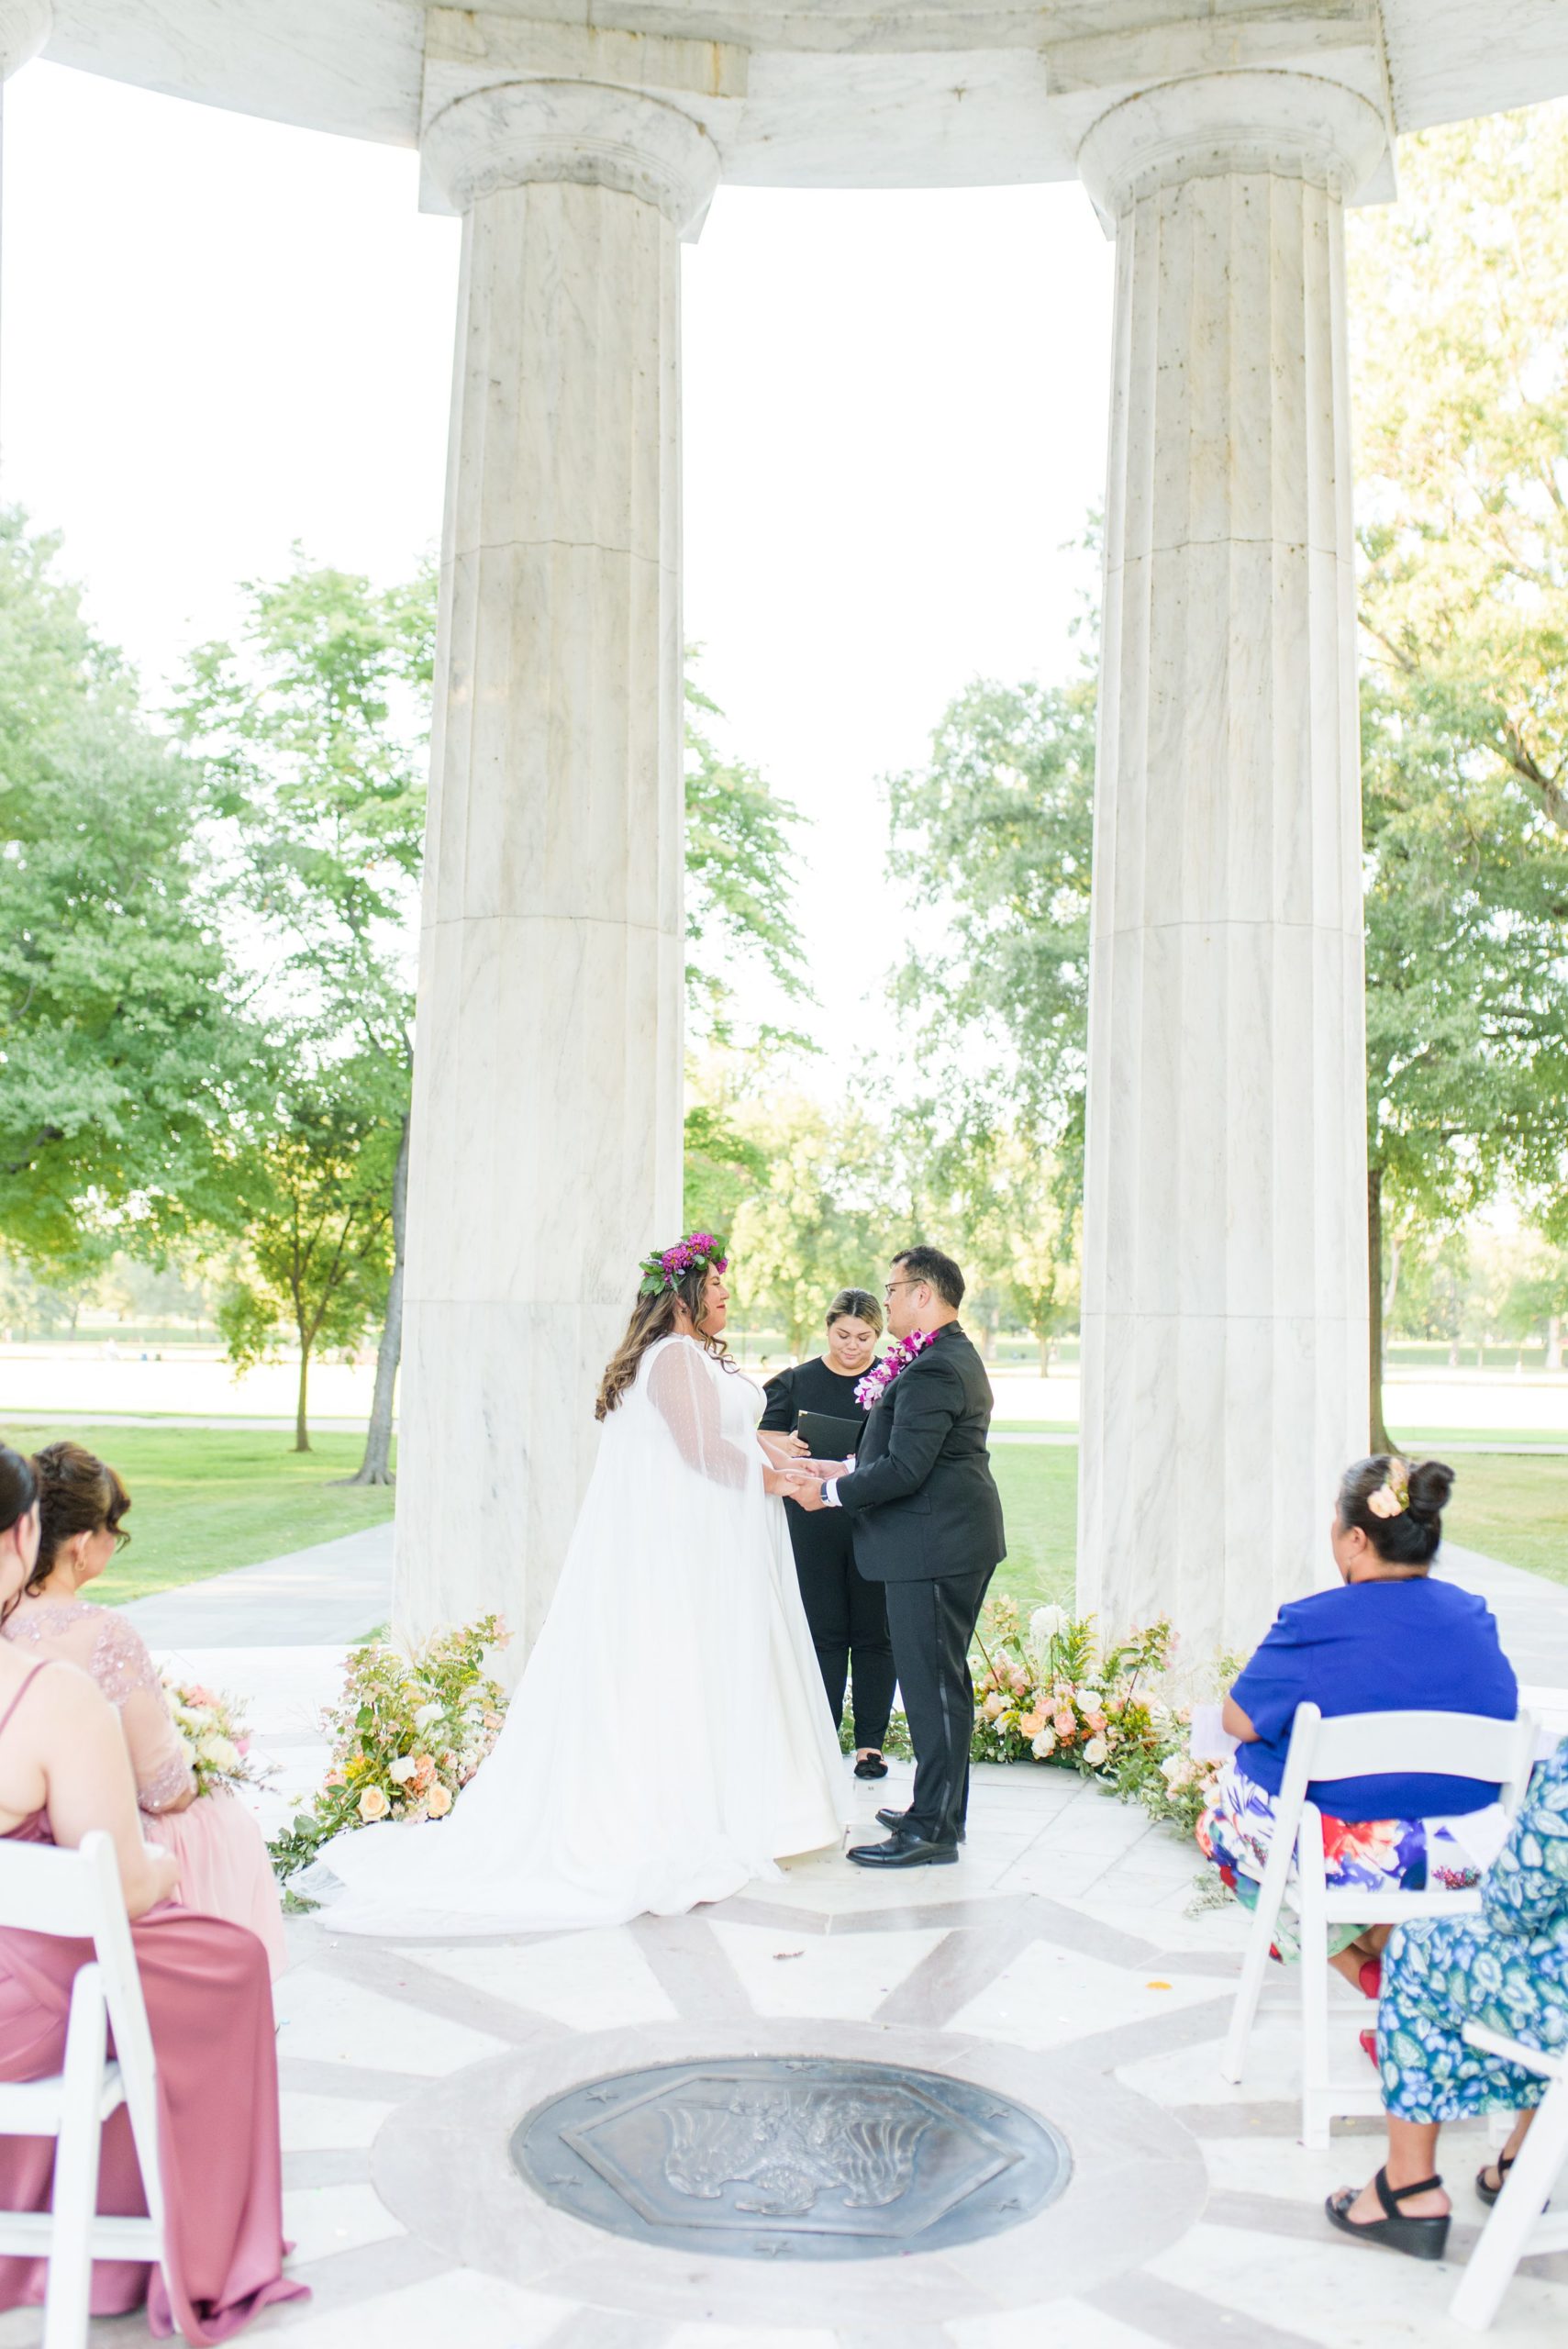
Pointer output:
211, 1730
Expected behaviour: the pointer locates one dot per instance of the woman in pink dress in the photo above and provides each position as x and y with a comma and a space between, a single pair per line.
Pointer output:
224, 1867
64, 1773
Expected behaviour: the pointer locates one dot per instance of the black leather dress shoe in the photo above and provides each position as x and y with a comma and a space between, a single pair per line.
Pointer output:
895, 1818
904, 1851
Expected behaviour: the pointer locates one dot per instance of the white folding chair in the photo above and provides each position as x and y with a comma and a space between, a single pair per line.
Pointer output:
77, 1894
1354, 1745
1516, 2229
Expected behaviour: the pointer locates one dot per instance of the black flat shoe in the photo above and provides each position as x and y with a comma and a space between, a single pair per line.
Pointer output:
871, 1766
1416, 2238
903, 1851
895, 1818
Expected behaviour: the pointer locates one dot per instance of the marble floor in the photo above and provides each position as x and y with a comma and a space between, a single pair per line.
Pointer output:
1064, 1962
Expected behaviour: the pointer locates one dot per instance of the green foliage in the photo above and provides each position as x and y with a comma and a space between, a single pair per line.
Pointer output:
820, 1222
315, 1186
739, 882
723, 1166
120, 1040
994, 836
1462, 405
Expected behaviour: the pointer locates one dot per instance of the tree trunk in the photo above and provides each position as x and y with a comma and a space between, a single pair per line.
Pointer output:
1453, 1353
1555, 1342
375, 1468
1043, 1339
1379, 1430
301, 1428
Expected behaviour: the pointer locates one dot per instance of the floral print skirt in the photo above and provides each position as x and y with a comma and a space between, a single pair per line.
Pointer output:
1384, 1854
1440, 1973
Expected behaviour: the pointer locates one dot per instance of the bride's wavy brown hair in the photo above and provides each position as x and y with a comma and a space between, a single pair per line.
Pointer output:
653, 1317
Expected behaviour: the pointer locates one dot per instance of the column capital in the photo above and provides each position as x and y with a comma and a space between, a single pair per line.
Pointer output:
25, 26
516, 133
1294, 124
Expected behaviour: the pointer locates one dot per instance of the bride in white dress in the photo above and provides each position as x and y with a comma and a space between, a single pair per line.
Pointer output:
670, 1739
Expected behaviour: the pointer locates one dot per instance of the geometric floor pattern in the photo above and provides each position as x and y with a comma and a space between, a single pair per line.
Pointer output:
1062, 1964
1059, 1963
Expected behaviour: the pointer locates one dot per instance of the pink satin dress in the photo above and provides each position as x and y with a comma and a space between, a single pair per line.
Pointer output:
225, 1869
209, 2004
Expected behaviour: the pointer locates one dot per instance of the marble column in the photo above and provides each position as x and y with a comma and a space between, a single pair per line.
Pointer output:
546, 1144
1224, 1329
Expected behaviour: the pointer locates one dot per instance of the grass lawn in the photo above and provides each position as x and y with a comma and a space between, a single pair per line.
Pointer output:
205, 1499
1513, 1510
1039, 1484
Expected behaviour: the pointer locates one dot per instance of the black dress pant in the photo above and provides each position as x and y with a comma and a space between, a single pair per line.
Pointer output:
847, 1619
932, 1625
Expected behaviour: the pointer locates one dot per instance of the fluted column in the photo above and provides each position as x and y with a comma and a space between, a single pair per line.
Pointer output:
546, 1144
1224, 1377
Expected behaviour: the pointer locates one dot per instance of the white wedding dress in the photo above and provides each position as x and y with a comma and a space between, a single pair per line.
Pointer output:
670, 1738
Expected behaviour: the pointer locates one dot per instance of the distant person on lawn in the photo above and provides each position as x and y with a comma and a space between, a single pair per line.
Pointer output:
1389, 1639
225, 1870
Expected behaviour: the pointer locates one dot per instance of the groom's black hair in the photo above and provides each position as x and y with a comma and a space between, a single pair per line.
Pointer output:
930, 1264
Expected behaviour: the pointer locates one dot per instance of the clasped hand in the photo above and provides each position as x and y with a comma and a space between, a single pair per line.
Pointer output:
803, 1479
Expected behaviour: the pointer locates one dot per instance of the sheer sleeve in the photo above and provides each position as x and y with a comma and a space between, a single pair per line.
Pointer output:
124, 1671
680, 1389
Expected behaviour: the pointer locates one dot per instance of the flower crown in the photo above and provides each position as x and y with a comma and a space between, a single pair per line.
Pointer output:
1392, 1497
699, 1251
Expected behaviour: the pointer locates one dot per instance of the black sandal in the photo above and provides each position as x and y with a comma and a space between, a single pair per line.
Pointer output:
871, 1766
1416, 2238
1503, 2164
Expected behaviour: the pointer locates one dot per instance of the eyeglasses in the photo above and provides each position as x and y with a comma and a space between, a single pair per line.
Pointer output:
887, 1292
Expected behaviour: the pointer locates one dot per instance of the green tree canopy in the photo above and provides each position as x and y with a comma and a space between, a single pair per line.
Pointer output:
122, 1035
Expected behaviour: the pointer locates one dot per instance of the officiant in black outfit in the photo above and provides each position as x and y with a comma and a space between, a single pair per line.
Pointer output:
927, 1525
848, 1615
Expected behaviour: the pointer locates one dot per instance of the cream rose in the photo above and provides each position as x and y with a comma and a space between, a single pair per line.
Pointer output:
373, 1804
437, 1802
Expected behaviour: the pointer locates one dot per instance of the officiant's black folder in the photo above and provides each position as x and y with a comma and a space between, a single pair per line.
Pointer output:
829, 1438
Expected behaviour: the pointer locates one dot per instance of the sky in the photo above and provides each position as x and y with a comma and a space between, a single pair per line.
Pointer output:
220, 338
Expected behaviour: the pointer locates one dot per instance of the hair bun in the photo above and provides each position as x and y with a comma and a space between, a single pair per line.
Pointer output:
1431, 1483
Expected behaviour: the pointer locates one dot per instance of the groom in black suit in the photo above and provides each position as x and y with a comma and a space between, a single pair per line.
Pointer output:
927, 1524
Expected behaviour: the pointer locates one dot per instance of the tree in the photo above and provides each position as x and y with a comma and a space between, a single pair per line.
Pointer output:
317, 1180
121, 1036
1466, 1018
740, 879
311, 738
1461, 401
820, 1221
995, 836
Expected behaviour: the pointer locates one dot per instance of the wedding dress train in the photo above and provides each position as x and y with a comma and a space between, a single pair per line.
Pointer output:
670, 1738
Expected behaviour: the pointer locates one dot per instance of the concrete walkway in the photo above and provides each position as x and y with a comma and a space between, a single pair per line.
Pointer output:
330, 1595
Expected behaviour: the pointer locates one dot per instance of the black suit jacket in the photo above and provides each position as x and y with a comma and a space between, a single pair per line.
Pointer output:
921, 1496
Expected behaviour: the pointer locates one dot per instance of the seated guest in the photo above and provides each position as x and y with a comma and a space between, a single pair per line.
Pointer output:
63, 1774
224, 1868
1507, 1969
1389, 1640
848, 1615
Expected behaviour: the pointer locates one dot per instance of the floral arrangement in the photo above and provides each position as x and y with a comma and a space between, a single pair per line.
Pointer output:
211, 1728
408, 1733
881, 1375
1049, 1692
699, 1251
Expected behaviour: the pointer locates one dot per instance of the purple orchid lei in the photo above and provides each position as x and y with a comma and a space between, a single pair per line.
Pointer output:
881, 1375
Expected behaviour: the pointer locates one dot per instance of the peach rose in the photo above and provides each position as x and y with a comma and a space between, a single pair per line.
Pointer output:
437, 1802
424, 1771
994, 1704
1030, 1724
1064, 1725
373, 1804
